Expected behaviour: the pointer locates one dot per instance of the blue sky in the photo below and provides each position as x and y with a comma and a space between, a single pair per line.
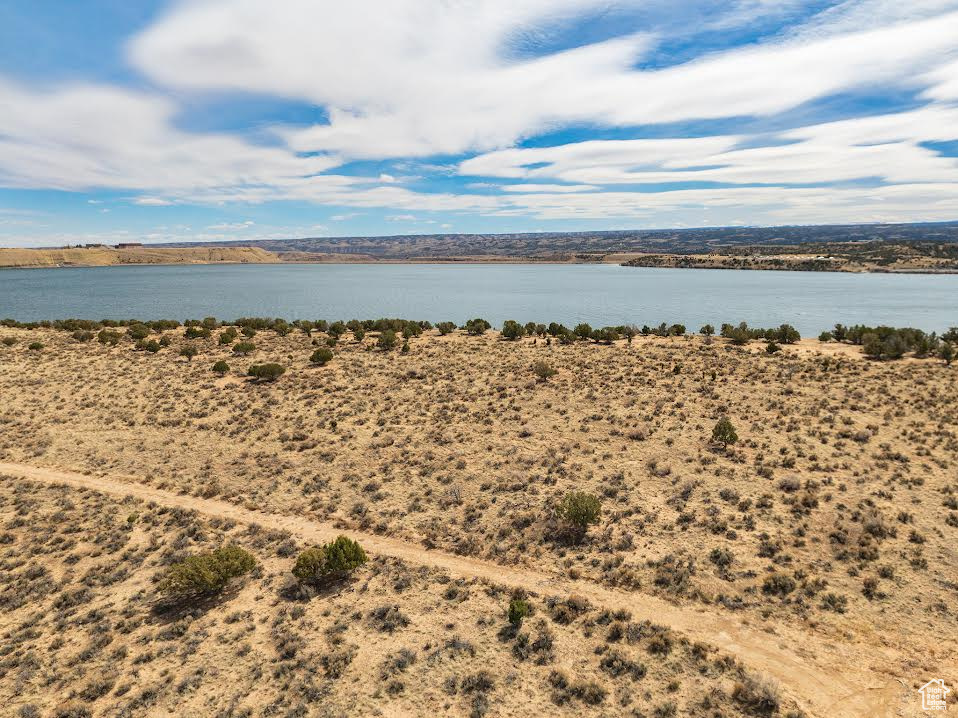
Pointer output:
243, 119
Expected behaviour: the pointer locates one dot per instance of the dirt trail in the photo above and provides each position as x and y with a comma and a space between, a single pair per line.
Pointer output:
826, 678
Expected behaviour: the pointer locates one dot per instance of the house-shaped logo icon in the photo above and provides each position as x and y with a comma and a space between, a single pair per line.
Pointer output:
934, 695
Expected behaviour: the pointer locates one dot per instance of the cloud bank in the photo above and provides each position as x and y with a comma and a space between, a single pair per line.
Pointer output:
651, 118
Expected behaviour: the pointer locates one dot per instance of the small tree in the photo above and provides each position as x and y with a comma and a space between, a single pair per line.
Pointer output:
206, 573
228, 336
197, 332
579, 510
359, 334
244, 348
825, 337
724, 432
387, 340
108, 336
83, 336
543, 370
873, 346
787, 334
138, 332
519, 609
329, 562
947, 353
707, 331
189, 351
446, 328
583, 331
512, 330
266, 372
322, 356
221, 367
477, 326
772, 348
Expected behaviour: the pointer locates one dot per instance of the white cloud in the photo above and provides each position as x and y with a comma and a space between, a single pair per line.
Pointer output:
152, 202
94, 136
437, 77
560, 188
417, 78
887, 147
232, 226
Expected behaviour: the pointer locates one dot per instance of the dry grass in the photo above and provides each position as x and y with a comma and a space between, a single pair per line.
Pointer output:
837, 510
84, 632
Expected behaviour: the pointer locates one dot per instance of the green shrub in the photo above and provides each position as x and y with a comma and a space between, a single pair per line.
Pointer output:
411, 329
195, 332
206, 573
138, 332
329, 562
266, 372
724, 433
189, 351
321, 356
477, 326
107, 336
244, 348
387, 340
82, 336
228, 336
35, 346
221, 367
9, 341
772, 348
152, 346
518, 610
947, 353
583, 331
543, 370
707, 331
825, 337
359, 334
578, 510
446, 328
511, 330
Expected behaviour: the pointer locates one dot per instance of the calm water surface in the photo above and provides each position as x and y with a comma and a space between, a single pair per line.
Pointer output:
598, 294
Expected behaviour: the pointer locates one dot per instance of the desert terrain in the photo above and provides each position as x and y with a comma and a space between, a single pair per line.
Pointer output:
108, 256
807, 568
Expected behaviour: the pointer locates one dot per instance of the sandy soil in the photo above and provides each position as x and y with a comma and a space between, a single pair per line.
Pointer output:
832, 520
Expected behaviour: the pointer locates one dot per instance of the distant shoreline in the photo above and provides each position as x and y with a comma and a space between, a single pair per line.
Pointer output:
783, 261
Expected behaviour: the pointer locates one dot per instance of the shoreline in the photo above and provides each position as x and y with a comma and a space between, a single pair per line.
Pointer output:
439, 261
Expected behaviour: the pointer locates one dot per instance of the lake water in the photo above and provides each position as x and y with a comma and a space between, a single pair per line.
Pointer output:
598, 294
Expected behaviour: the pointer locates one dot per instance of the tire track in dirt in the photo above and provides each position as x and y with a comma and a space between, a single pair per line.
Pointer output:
826, 678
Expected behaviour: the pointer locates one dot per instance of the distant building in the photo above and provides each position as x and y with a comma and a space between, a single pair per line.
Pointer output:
129, 245
93, 246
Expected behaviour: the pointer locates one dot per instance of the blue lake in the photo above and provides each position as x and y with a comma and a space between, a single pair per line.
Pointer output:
598, 294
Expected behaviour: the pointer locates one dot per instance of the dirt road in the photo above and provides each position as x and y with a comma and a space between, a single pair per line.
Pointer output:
827, 679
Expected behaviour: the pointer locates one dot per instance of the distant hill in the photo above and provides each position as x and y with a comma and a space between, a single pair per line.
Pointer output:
108, 256
567, 245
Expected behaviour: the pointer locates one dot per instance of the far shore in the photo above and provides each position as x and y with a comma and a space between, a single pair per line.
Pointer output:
153, 255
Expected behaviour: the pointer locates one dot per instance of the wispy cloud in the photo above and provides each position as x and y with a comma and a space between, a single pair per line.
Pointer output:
498, 110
